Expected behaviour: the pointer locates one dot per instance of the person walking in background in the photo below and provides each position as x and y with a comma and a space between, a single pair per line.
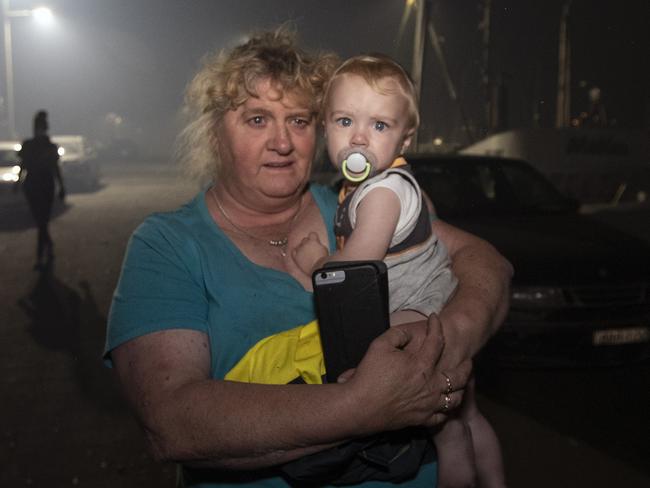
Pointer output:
39, 159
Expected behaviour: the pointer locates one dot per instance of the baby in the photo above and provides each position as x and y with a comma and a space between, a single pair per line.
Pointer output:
370, 116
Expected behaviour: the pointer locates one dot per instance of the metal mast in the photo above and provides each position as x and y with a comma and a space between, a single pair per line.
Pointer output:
418, 53
562, 113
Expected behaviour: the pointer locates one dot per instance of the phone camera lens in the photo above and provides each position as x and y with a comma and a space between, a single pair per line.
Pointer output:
323, 275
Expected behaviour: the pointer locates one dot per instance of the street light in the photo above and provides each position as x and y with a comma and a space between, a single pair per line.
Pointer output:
41, 15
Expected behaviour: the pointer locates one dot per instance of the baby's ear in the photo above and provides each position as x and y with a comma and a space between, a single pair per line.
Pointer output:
408, 137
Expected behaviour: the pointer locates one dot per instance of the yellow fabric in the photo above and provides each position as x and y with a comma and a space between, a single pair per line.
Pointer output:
399, 161
281, 358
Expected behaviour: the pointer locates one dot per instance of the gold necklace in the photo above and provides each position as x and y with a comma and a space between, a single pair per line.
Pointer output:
279, 243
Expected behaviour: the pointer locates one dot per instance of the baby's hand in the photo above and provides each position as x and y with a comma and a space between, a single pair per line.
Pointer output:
309, 252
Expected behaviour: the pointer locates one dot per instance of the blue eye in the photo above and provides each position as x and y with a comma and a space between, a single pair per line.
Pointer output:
381, 126
344, 121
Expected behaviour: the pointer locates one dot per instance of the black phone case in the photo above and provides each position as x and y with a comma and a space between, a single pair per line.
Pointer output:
352, 308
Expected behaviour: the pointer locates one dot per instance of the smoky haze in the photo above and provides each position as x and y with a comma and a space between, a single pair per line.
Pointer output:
129, 61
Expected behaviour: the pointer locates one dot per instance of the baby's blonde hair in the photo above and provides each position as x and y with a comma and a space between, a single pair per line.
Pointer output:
374, 68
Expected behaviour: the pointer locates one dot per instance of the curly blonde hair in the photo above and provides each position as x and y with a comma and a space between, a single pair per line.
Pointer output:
228, 78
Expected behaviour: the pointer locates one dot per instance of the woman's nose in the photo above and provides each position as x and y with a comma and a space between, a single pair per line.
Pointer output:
280, 141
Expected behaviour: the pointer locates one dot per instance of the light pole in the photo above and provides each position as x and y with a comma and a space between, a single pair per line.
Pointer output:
563, 102
418, 51
41, 14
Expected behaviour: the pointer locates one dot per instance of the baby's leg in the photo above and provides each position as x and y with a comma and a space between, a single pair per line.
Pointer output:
456, 465
487, 450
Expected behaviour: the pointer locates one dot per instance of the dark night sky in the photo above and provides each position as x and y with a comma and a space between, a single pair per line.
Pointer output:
134, 57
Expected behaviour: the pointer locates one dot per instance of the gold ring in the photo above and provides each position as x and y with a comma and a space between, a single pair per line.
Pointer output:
449, 388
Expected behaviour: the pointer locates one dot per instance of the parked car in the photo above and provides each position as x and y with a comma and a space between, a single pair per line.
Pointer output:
119, 149
581, 290
9, 162
78, 163
9, 172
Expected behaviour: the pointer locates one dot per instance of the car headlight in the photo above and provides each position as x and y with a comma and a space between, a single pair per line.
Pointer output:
12, 174
537, 297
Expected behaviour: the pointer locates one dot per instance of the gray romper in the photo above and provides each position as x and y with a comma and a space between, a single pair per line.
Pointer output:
419, 271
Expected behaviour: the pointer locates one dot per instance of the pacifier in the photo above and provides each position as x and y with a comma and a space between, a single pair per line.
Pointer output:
356, 167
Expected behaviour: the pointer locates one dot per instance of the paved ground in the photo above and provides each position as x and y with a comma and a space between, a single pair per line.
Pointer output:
64, 424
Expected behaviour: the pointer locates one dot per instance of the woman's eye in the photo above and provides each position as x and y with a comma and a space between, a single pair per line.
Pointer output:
257, 120
344, 121
300, 122
381, 126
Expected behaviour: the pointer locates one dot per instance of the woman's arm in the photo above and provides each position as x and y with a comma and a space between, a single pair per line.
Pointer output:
187, 417
481, 300
190, 418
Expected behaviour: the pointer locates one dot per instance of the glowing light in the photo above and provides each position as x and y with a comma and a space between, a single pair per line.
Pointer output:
61, 151
9, 177
437, 141
43, 15
18, 147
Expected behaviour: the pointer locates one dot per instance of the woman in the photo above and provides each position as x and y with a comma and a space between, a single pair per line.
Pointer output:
203, 285
40, 159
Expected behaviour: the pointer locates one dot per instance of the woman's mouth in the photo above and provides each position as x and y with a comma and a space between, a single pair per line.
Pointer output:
278, 164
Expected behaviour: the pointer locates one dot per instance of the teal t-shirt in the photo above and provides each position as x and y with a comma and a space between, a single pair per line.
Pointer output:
182, 271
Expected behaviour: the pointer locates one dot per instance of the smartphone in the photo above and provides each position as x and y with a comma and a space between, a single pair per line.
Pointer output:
352, 308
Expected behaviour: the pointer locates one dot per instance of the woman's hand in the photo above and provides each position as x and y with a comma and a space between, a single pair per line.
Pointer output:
399, 381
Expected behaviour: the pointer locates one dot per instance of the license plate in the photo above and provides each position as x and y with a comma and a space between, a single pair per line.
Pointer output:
629, 335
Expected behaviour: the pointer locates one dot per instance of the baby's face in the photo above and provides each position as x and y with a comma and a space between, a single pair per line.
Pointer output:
360, 119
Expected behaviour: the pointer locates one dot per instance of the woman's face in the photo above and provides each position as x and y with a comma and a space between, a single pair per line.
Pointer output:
266, 147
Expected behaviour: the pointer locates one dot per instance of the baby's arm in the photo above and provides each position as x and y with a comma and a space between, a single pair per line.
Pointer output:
377, 216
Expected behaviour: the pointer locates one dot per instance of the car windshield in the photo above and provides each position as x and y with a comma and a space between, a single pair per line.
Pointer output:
8, 156
466, 188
